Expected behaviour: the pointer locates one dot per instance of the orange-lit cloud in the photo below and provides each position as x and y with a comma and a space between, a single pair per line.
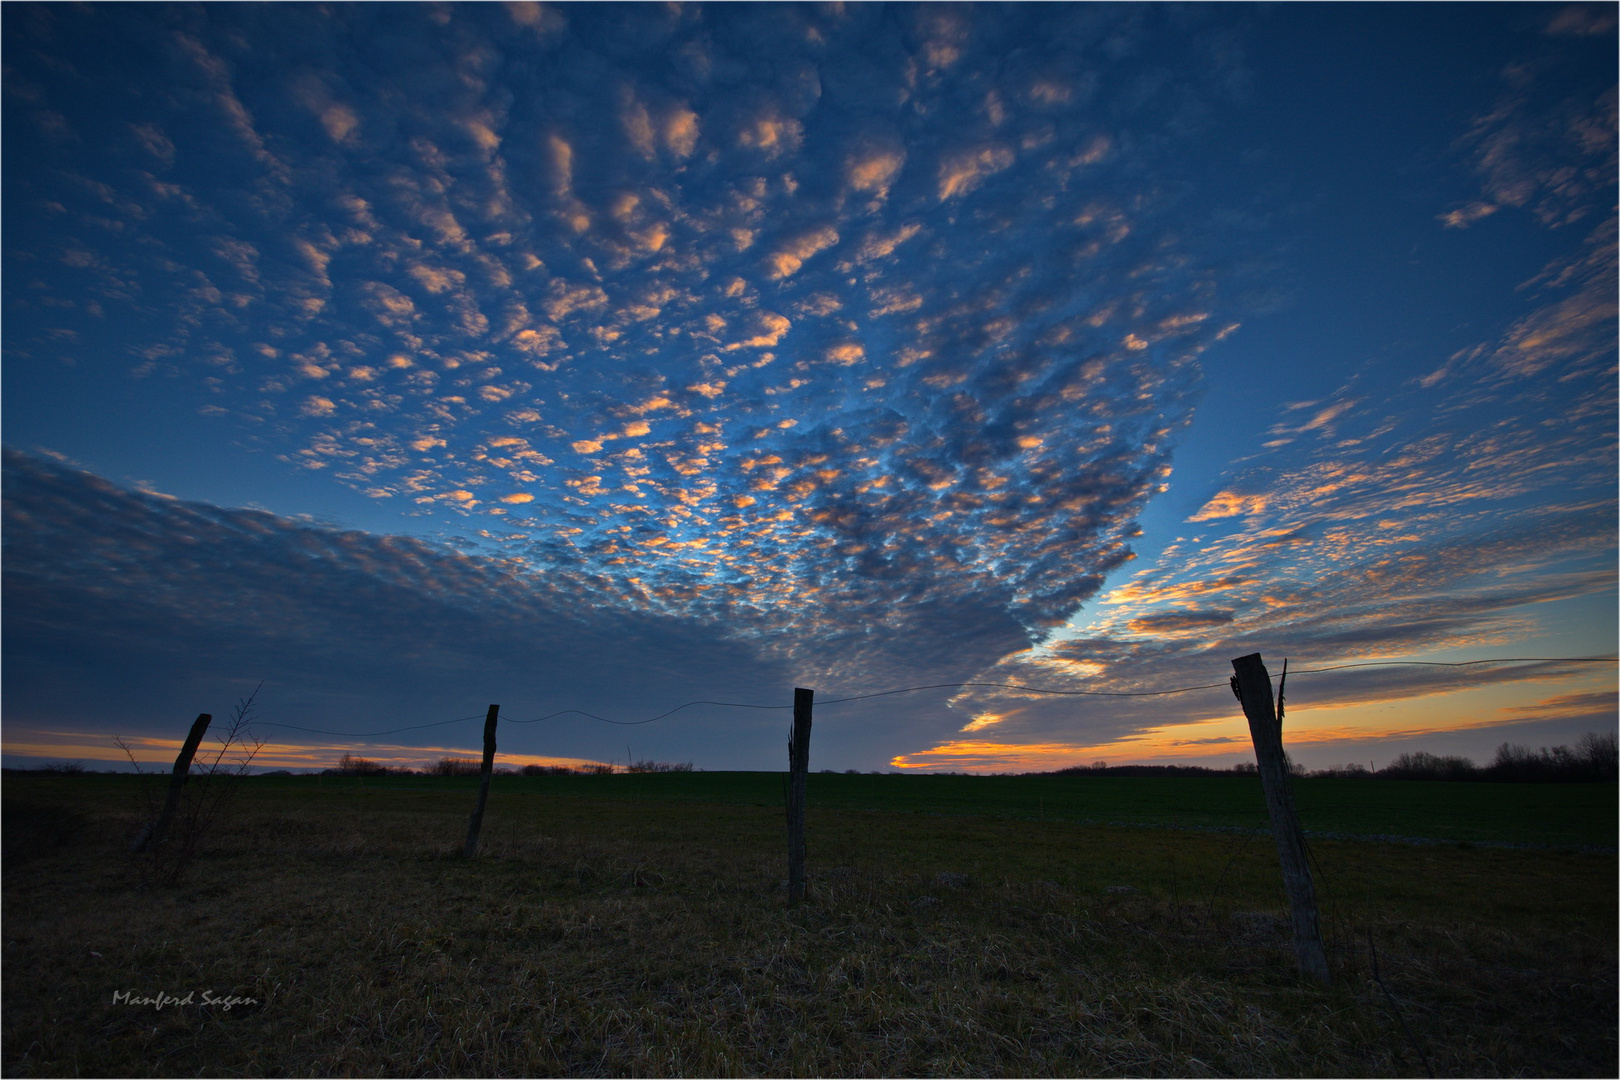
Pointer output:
786, 260
160, 753
962, 172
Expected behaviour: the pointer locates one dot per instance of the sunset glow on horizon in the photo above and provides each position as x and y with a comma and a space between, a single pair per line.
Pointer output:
405, 358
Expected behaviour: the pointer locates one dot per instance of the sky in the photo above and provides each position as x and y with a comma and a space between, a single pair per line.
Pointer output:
395, 360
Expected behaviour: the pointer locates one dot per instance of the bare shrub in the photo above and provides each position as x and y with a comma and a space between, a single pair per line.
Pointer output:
658, 766
205, 800
457, 767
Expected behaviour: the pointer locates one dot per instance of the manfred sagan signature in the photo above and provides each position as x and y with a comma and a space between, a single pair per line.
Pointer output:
160, 1001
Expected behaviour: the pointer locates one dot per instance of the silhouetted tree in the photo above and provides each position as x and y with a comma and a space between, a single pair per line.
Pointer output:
1592, 759
349, 765
1422, 765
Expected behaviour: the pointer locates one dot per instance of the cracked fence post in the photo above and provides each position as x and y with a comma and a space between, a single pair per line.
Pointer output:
152, 835
477, 821
1252, 684
798, 765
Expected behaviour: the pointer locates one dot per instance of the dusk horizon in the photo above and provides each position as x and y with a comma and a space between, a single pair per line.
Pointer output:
389, 361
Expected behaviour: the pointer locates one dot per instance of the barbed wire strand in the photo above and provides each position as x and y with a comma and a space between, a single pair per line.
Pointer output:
959, 685
650, 719
1206, 686
1465, 663
368, 734
1030, 689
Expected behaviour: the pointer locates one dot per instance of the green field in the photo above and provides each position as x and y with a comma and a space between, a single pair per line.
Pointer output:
638, 925
1576, 815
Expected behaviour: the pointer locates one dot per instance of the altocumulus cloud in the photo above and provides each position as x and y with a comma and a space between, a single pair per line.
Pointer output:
846, 328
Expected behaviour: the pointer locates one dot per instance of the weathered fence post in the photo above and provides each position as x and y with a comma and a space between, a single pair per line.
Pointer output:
798, 766
1252, 684
152, 835
477, 821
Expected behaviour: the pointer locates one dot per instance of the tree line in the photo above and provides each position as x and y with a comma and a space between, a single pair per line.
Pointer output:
1594, 758
352, 765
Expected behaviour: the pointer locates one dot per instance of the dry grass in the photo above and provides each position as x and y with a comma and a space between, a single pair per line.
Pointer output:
614, 938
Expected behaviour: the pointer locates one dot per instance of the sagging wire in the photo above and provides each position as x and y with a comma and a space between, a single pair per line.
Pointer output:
369, 734
960, 685
1467, 663
864, 697
1208, 686
1029, 689
650, 719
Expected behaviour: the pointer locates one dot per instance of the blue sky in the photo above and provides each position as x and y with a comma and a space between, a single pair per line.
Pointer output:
408, 358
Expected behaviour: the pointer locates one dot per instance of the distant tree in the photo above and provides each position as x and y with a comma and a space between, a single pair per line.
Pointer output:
1601, 754
547, 770
1343, 772
350, 765
457, 767
1593, 758
1124, 770
1422, 765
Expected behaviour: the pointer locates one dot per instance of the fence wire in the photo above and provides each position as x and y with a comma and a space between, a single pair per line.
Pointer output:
953, 686
367, 734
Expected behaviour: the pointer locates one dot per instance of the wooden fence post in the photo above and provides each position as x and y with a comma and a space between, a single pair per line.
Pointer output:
152, 835
477, 821
1252, 684
798, 766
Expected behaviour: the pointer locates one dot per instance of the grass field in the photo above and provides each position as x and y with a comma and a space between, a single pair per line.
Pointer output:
638, 925
1581, 815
